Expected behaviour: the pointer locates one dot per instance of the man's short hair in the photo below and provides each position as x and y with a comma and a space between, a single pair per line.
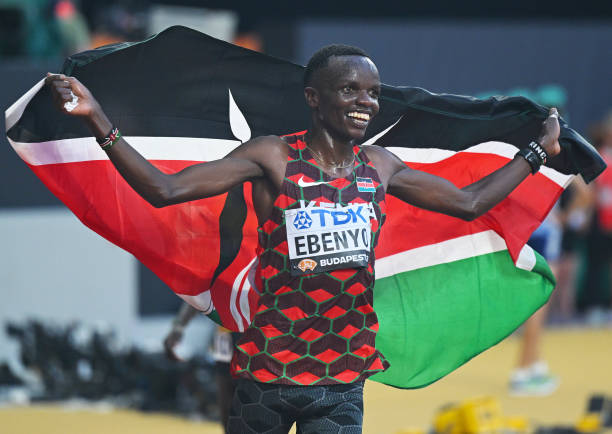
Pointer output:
320, 58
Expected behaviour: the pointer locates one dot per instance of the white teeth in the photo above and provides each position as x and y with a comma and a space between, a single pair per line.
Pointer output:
357, 115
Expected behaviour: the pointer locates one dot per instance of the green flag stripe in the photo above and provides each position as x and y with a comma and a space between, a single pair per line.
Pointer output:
434, 254
434, 319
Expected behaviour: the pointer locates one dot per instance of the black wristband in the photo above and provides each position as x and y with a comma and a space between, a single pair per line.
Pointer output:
532, 158
539, 151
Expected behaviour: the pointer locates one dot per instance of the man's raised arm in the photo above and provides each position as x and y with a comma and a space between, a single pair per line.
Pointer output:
437, 194
248, 161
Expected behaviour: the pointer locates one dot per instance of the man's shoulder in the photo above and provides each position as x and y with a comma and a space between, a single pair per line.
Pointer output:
378, 153
270, 142
281, 143
373, 150
271, 139
385, 161
267, 149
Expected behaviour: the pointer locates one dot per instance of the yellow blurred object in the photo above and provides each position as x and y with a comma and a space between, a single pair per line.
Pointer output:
411, 431
589, 423
477, 416
447, 421
516, 424
598, 415
482, 415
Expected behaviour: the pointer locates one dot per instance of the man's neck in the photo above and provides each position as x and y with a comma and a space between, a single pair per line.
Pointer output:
332, 152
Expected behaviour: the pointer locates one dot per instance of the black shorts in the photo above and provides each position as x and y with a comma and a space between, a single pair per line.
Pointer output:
269, 408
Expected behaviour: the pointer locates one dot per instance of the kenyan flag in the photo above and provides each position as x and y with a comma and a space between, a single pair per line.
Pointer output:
446, 289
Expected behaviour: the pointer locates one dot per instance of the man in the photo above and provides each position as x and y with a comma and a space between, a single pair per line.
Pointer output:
531, 376
222, 350
303, 185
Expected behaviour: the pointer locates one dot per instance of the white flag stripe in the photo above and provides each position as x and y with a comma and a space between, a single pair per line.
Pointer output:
526, 259
152, 148
246, 288
204, 149
447, 251
202, 301
234, 300
452, 250
433, 155
14, 112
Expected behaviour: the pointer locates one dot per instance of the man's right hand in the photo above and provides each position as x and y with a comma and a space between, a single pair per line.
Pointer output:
64, 89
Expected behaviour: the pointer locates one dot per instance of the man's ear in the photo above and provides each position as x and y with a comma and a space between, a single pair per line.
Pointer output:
312, 97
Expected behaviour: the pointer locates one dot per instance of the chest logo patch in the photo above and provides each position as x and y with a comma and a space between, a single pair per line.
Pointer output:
365, 185
328, 236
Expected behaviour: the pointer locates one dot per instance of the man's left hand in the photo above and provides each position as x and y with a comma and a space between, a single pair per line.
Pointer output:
549, 135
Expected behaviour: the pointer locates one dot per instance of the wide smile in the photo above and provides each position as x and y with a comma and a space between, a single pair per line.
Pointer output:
359, 119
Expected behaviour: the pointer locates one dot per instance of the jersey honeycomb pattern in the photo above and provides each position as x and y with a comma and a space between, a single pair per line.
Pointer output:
314, 329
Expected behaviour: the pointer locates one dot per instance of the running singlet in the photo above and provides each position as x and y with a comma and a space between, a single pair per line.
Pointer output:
315, 323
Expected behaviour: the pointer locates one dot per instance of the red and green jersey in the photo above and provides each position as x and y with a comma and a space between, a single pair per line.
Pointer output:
315, 323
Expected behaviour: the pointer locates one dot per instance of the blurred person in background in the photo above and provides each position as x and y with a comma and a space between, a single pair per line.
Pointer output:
116, 22
532, 377
560, 240
42, 28
72, 27
222, 351
597, 294
576, 212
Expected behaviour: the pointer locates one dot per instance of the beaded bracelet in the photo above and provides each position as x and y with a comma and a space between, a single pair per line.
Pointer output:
113, 136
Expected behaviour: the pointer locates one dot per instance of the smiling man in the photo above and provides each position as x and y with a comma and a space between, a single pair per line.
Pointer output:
319, 199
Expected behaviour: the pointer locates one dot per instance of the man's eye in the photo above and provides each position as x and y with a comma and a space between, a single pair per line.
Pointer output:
347, 89
374, 94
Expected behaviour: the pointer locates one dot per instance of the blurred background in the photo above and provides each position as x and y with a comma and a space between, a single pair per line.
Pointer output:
82, 323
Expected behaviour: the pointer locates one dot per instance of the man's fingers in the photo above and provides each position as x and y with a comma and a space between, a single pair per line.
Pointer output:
552, 121
59, 80
54, 77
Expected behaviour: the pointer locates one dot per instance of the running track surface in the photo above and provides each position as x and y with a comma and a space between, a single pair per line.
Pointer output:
581, 357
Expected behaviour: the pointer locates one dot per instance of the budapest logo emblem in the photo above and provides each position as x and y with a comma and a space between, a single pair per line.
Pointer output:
307, 264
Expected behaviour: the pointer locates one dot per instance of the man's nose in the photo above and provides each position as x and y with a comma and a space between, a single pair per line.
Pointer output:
365, 99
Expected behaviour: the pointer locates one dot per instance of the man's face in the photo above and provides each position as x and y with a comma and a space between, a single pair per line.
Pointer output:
347, 95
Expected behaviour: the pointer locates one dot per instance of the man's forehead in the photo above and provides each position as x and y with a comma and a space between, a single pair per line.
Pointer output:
352, 62
339, 67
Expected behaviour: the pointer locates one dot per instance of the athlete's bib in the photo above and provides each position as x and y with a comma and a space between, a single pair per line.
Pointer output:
328, 236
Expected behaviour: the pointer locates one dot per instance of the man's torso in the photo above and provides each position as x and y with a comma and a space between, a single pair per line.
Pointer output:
315, 323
